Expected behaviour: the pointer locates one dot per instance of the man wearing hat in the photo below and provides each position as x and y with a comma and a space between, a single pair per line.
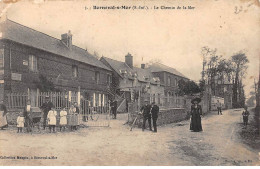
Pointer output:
114, 108
46, 107
196, 113
146, 109
219, 108
155, 112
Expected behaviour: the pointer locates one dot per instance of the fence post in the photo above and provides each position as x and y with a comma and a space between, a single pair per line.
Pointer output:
37, 99
69, 96
28, 92
109, 111
78, 98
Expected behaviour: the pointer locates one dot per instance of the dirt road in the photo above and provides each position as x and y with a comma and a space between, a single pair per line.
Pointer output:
174, 144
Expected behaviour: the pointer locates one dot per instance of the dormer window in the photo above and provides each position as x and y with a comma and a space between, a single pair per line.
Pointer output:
123, 71
146, 78
156, 79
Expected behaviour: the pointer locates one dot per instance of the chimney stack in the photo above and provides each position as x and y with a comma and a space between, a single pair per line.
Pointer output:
129, 60
67, 39
143, 66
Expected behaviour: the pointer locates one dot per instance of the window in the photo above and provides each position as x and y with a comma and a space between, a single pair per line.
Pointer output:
94, 100
176, 82
75, 71
1, 58
33, 63
97, 77
99, 99
169, 81
109, 79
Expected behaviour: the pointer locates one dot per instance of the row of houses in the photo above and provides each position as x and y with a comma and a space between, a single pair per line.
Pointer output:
27, 56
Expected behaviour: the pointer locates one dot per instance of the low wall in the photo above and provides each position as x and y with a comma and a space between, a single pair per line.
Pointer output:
14, 113
12, 116
165, 116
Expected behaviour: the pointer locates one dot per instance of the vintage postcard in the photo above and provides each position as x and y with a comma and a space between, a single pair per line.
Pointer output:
129, 83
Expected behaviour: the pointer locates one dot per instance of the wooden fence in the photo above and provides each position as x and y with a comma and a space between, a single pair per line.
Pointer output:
17, 100
59, 99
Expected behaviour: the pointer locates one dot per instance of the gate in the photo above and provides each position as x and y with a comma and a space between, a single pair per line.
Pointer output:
91, 116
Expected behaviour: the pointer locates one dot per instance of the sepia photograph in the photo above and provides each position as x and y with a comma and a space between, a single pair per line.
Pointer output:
129, 83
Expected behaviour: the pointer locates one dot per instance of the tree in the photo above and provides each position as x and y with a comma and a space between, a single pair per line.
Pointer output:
250, 102
152, 61
187, 88
240, 65
202, 84
45, 85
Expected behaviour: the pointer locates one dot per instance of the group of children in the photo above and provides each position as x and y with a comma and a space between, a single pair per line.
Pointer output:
65, 118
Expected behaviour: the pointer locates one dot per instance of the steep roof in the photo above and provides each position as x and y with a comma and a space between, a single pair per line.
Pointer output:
21, 34
143, 75
117, 65
158, 67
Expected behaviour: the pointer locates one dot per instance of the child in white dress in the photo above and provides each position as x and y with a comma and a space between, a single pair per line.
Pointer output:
63, 118
20, 122
52, 119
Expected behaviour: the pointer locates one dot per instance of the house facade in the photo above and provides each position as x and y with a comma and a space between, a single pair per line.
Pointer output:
157, 82
169, 78
26, 55
222, 86
136, 83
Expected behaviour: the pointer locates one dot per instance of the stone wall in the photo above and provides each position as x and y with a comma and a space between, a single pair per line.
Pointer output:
165, 116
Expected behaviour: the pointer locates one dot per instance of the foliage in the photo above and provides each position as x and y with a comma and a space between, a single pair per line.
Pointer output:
202, 84
250, 102
240, 64
187, 88
216, 69
45, 85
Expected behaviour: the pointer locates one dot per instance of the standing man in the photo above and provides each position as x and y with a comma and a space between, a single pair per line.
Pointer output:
155, 112
46, 107
146, 109
245, 115
114, 108
219, 108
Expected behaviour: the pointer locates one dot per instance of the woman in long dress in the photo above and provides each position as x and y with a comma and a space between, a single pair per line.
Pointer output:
196, 112
3, 117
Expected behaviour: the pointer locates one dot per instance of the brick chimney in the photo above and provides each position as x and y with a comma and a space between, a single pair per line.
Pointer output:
143, 66
67, 39
129, 60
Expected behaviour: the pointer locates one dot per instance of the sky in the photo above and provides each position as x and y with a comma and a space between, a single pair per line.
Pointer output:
175, 37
